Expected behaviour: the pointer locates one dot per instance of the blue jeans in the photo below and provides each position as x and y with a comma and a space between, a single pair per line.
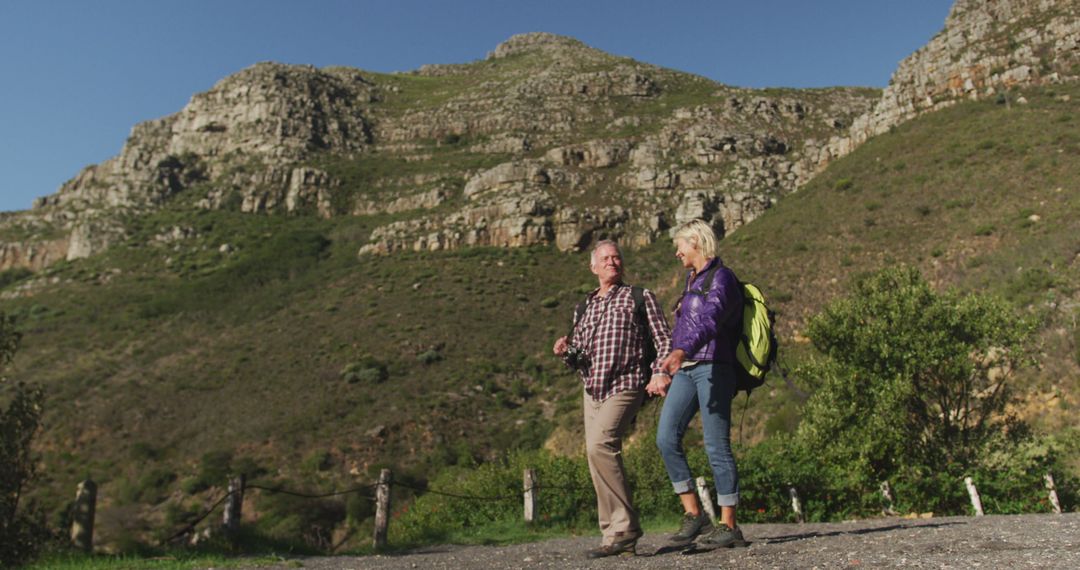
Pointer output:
709, 388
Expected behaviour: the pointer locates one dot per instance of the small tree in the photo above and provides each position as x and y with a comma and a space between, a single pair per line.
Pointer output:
934, 366
20, 535
912, 388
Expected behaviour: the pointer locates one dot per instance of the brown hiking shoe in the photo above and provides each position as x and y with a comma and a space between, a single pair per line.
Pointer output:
624, 547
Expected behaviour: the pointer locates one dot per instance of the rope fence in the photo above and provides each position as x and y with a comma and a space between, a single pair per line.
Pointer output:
83, 511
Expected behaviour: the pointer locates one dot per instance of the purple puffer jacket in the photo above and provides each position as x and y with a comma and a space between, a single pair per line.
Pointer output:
704, 323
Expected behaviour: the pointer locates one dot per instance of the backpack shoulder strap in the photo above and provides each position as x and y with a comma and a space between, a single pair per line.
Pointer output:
638, 293
579, 310
705, 285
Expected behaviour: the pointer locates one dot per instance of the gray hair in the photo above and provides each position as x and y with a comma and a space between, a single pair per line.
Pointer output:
700, 235
598, 245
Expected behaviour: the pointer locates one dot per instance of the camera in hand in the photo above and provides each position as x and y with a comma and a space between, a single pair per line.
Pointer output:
576, 357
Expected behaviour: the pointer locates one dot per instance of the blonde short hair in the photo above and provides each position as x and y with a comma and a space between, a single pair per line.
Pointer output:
698, 234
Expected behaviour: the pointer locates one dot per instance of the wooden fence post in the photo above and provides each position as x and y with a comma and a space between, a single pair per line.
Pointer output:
796, 505
1053, 492
706, 498
82, 519
235, 504
529, 483
974, 494
887, 504
382, 508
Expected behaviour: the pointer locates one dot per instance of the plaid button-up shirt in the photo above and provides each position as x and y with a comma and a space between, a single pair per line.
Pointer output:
615, 341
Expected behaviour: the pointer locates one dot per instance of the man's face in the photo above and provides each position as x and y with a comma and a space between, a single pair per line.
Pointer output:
607, 264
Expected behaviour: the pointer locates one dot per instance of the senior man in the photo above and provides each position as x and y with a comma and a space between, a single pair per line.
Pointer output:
608, 347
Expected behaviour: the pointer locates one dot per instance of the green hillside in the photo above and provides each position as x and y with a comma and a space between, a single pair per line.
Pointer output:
286, 355
984, 196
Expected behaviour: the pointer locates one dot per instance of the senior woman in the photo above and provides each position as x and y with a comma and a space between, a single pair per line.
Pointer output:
703, 379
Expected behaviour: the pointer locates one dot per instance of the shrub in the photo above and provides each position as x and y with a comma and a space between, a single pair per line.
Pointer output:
365, 371
914, 391
429, 357
317, 462
22, 531
938, 363
491, 492
14, 275
1029, 284
305, 525
843, 184
215, 468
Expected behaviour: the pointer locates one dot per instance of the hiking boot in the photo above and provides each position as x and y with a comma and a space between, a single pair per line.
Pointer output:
692, 526
626, 546
723, 537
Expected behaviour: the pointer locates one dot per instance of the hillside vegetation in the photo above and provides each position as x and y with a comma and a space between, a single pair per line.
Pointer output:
983, 196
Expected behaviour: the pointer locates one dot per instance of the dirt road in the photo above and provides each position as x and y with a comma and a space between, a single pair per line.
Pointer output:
1022, 541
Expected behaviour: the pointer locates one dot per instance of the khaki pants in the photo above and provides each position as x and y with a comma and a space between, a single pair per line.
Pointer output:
605, 425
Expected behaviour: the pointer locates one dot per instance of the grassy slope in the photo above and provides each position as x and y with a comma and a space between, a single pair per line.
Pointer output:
982, 196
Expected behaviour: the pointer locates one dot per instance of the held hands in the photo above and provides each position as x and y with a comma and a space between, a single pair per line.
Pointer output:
658, 385
673, 361
560, 346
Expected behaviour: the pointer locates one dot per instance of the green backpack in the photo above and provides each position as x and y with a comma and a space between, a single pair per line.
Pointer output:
755, 340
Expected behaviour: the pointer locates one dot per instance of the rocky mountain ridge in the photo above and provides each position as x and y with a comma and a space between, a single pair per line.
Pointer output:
986, 48
544, 141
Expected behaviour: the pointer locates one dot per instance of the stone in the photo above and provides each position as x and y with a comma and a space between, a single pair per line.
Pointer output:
553, 142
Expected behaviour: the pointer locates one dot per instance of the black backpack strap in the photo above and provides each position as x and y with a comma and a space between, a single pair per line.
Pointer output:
642, 318
638, 293
579, 310
709, 275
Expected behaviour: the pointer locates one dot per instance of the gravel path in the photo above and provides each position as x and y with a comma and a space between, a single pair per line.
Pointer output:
1021, 541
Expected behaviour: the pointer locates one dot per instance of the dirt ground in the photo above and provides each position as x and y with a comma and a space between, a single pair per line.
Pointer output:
1021, 541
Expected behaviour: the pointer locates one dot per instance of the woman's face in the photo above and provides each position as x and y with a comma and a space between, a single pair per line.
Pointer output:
686, 252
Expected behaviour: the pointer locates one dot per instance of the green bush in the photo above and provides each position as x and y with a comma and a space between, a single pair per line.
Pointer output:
429, 357
367, 370
305, 525
491, 492
215, 468
914, 390
468, 497
22, 530
317, 462
14, 275
1026, 287
937, 365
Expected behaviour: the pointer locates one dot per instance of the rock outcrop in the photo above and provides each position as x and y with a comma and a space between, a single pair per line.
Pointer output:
987, 46
546, 141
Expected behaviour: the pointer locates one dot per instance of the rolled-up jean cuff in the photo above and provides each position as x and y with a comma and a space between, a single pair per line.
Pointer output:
727, 500
684, 486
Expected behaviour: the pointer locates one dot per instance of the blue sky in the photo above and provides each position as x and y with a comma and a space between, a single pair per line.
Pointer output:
78, 74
